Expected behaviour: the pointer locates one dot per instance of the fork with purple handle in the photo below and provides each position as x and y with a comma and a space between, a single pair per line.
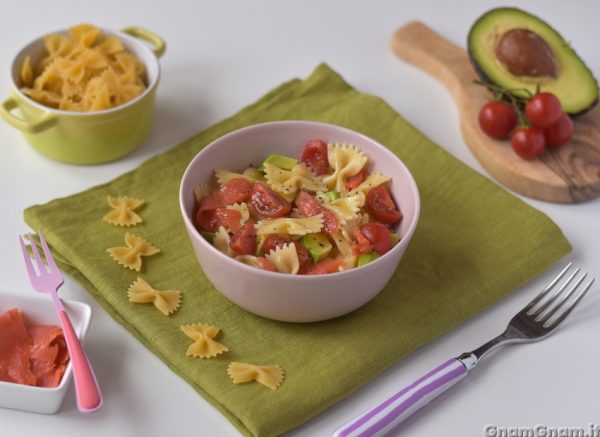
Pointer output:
48, 279
536, 321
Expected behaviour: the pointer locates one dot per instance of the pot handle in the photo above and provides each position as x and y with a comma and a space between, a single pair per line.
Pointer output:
158, 44
28, 126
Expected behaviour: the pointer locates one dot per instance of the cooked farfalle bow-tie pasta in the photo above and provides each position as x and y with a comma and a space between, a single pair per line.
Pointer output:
83, 70
324, 211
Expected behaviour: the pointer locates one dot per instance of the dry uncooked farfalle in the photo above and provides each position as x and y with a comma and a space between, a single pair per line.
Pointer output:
123, 213
204, 346
271, 376
167, 301
131, 255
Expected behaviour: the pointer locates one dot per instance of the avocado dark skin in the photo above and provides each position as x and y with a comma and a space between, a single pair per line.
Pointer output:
543, 62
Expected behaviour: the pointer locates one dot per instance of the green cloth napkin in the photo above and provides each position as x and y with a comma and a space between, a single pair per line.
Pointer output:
475, 243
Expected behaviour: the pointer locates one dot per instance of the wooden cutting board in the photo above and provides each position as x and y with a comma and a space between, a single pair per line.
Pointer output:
570, 174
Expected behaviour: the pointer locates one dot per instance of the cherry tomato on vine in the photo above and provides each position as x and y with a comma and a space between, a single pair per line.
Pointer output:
528, 142
543, 110
498, 119
560, 133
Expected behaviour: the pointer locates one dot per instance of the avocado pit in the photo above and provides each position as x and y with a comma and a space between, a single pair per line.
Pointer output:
525, 53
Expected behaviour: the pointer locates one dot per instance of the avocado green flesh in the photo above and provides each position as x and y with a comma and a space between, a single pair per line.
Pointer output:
366, 258
318, 246
395, 238
283, 162
332, 195
575, 86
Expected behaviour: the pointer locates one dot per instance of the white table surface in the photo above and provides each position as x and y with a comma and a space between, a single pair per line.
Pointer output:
222, 56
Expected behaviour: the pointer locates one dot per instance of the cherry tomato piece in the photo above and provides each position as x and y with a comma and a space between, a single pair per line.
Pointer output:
267, 203
236, 190
543, 110
328, 265
314, 154
212, 201
363, 243
381, 206
244, 240
498, 119
310, 206
354, 181
560, 133
274, 241
211, 220
528, 142
378, 235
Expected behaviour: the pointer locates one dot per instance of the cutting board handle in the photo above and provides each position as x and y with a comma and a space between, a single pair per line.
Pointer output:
419, 45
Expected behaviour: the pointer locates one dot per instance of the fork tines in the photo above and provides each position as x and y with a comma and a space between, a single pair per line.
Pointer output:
545, 309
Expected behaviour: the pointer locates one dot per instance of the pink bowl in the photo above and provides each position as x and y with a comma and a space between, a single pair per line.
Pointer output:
295, 298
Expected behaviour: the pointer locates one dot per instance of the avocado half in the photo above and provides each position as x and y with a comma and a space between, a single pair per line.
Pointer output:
568, 78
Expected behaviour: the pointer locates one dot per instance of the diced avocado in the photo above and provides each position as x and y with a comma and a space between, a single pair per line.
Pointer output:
283, 162
366, 258
318, 245
516, 50
395, 238
332, 195
210, 236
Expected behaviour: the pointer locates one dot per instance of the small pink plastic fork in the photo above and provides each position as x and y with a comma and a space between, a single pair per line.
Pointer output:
48, 280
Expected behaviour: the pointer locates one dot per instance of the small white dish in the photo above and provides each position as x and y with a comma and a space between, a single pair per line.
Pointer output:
39, 309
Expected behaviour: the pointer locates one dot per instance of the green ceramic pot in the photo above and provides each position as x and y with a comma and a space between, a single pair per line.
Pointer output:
87, 137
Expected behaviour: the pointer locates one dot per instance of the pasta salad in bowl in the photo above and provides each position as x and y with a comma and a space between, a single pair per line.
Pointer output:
298, 221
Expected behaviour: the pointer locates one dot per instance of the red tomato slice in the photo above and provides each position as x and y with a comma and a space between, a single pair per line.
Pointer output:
378, 235
267, 203
211, 220
244, 240
381, 206
236, 190
274, 241
266, 264
356, 180
309, 206
314, 154
212, 201
364, 245
328, 265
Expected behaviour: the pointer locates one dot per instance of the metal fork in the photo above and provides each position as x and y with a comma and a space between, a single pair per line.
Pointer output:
536, 321
48, 280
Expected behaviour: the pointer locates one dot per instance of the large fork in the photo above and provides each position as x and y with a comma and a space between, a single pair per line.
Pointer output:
536, 321
48, 280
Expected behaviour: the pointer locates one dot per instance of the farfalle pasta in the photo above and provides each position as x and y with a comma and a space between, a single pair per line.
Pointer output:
287, 182
204, 345
167, 301
83, 70
285, 259
290, 226
346, 161
270, 376
123, 211
130, 256
323, 213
